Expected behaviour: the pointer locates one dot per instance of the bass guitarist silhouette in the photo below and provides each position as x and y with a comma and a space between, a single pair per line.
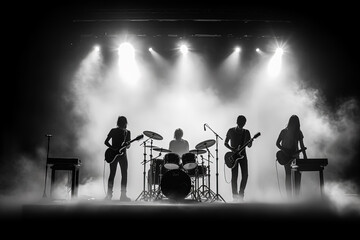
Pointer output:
111, 153
284, 156
291, 139
231, 158
237, 139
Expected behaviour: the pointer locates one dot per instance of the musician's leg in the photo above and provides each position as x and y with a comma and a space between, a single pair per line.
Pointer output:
288, 180
297, 182
244, 177
124, 168
111, 178
234, 179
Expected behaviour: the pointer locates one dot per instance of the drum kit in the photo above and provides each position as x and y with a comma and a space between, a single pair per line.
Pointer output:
176, 177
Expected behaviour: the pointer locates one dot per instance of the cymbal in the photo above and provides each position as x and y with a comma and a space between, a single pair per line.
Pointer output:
198, 151
153, 135
205, 144
161, 150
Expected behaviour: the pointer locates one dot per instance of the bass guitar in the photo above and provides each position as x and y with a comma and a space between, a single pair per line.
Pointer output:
284, 156
231, 158
111, 154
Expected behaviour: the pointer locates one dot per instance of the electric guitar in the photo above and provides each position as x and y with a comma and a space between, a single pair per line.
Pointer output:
284, 156
111, 154
231, 158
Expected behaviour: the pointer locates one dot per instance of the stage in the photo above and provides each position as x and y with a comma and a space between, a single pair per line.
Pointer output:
186, 213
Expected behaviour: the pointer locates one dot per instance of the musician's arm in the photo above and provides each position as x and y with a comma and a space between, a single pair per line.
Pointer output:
278, 142
128, 137
107, 142
226, 143
302, 146
248, 138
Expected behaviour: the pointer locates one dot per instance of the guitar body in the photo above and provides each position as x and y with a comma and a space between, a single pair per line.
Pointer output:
110, 155
284, 157
231, 159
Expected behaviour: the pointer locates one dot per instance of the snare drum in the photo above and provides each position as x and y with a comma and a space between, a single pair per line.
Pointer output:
188, 161
172, 161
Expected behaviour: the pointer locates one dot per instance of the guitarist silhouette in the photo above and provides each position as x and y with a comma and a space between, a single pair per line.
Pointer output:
288, 141
237, 137
118, 136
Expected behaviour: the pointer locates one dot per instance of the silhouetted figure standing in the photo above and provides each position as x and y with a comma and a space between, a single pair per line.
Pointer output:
238, 136
119, 137
288, 141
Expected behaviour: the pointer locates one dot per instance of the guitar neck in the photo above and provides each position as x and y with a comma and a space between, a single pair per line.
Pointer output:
244, 146
128, 143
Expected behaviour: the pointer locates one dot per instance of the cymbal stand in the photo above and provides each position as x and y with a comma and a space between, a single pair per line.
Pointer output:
208, 193
144, 194
203, 175
217, 196
152, 173
159, 194
195, 189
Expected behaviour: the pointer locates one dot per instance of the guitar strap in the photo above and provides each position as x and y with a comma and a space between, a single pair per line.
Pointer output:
125, 135
242, 140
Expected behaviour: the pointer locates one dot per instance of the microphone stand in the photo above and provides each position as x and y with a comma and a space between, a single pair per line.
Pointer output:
217, 196
46, 165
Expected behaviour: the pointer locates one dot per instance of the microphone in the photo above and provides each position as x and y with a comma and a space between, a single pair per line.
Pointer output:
205, 127
48, 135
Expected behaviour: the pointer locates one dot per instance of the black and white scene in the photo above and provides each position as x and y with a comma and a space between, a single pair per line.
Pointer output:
202, 113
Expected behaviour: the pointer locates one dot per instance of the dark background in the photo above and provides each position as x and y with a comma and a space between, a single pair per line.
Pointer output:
37, 37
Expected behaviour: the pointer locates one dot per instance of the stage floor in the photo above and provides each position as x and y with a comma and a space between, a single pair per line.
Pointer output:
168, 214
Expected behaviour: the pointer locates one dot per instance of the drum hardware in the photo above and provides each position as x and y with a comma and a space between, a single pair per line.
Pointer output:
197, 151
171, 161
149, 195
144, 195
205, 190
195, 186
189, 161
217, 197
153, 135
194, 170
161, 150
205, 144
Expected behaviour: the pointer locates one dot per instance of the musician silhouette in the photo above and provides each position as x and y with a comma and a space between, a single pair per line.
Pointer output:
179, 145
288, 141
238, 136
119, 136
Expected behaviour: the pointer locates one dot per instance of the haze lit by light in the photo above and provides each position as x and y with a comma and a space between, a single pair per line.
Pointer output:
160, 96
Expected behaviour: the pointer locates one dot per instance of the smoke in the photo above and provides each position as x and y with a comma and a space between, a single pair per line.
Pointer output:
189, 95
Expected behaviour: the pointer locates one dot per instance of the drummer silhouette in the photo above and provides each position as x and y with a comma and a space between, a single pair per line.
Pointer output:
179, 145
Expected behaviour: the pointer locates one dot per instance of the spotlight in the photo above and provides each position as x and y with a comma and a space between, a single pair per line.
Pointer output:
126, 49
183, 49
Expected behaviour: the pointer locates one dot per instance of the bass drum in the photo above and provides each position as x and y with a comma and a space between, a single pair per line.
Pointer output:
175, 184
